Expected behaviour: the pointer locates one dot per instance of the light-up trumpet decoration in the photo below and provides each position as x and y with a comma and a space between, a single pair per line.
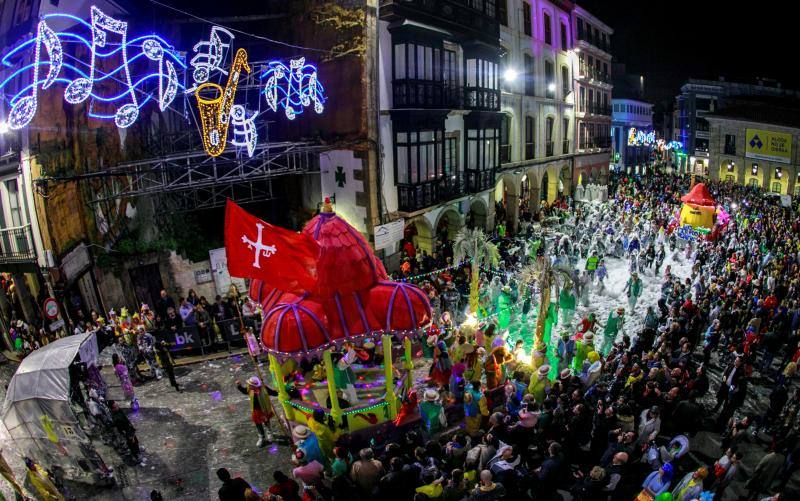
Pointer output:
215, 112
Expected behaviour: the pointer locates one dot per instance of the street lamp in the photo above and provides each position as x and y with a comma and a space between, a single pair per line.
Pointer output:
551, 87
510, 75
3, 127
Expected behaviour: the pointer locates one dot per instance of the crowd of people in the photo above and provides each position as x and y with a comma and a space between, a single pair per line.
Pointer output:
619, 422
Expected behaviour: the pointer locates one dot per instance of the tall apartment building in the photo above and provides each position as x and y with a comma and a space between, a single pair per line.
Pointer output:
592, 46
699, 98
537, 102
439, 114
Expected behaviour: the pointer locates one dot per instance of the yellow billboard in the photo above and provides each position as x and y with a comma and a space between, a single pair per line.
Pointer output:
768, 145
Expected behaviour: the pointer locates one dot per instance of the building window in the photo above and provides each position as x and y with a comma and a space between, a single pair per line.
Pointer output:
502, 12
565, 81
451, 157
581, 30
526, 18
505, 65
565, 137
777, 187
14, 208
481, 84
530, 134
450, 75
505, 138
754, 169
730, 144
530, 88
753, 183
564, 43
730, 178
550, 79
419, 156
417, 75
548, 29
482, 157
548, 136
582, 93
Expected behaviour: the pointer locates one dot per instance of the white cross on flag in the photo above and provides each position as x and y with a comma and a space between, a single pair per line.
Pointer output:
281, 258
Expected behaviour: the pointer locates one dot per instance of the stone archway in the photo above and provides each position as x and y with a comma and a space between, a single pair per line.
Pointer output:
530, 193
419, 232
593, 176
448, 224
565, 181
506, 193
478, 213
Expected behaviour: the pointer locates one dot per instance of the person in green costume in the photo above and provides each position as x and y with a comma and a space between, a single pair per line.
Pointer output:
504, 308
432, 413
591, 265
634, 290
613, 325
567, 303
540, 384
582, 350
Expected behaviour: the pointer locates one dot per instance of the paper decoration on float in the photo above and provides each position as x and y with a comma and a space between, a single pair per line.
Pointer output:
81, 77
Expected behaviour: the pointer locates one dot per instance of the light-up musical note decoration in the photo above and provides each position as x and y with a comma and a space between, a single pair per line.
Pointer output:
293, 88
209, 56
244, 129
82, 78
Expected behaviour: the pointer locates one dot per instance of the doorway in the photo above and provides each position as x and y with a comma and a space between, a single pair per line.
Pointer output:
147, 284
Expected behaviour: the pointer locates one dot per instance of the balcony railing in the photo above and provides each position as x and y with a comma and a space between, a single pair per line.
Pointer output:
548, 148
597, 109
478, 181
598, 41
480, 98
477, 16
16, 245
417, 94
596, 142
730, 150
414, 197
591, 72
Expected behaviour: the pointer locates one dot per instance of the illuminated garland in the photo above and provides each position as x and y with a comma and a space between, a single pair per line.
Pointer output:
359, 410
81, 86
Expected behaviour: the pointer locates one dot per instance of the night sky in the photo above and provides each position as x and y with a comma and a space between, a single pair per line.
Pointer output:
669, 42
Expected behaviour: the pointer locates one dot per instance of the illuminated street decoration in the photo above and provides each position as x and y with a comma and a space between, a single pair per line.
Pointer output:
215, 111
293, 88
84, 76
210, 55
642, 138
111, 62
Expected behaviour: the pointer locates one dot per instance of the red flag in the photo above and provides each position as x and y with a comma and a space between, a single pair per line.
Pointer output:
281, 258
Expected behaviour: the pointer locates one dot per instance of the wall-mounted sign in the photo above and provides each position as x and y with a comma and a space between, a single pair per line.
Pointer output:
768, 145
386, 235
50, 308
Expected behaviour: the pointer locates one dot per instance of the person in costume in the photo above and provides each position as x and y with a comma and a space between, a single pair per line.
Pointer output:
442, 366
260, 407
566, 302
602, 272
475, 408
343, 374
612, 328
39, 481
587, 324
432, 412
582, 349
540, 384
634, 290
565, 351
124, 379
591, 265
495, 366
504, 308
305, 440
429, 341
325, 431
690, 486
147, 344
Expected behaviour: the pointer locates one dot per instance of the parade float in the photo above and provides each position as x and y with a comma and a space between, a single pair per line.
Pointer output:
344, 329
42, 415
698, 210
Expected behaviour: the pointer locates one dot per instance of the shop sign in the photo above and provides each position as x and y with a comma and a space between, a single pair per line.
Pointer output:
768, 145
386, 235
76, 262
